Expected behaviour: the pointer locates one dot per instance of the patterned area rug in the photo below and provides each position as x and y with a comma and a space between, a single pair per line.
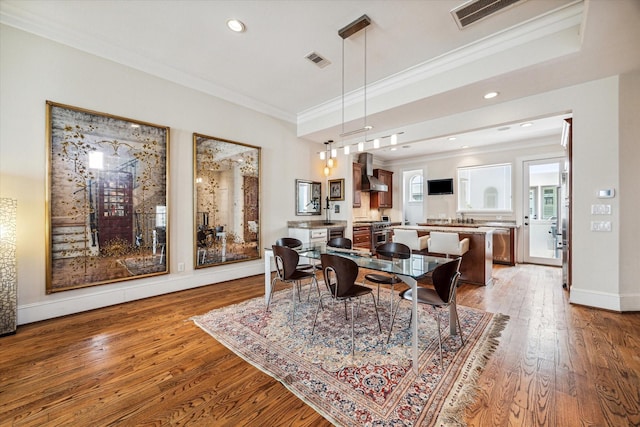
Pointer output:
377, 386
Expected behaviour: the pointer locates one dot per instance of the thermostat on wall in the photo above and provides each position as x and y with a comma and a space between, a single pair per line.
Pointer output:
607, 193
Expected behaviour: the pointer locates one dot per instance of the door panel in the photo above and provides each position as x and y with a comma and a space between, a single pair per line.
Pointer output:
542, 212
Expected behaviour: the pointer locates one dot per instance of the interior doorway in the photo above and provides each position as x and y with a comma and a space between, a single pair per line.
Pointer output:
413, 197
545, 192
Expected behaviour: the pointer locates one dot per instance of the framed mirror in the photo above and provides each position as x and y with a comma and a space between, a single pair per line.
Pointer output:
308, 200
226, 201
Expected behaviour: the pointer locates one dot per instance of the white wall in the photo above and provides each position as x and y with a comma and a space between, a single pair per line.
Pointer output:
628, 192
605, 155
34, 70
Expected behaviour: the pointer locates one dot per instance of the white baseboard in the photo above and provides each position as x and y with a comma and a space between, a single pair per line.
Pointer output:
70, 302
605, 300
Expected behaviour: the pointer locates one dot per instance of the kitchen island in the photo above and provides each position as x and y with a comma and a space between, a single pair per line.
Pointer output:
477, 264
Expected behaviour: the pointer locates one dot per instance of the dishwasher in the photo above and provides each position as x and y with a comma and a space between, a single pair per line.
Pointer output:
502, 246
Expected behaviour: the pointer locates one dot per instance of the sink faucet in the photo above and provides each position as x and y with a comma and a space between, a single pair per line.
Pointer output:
328, 209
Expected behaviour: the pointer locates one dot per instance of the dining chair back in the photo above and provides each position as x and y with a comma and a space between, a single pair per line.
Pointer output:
293, 243
340, 274
445, 282
286, 260
340, 242
410, 238
390, 251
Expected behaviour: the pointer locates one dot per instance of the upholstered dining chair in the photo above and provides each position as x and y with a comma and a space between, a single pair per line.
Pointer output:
391, 251
445, 282
293, 243
340, 274
286, 260
447, 243
410, 238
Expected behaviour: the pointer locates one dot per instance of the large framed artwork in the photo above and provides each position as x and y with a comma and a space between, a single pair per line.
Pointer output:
107, 201
226, 201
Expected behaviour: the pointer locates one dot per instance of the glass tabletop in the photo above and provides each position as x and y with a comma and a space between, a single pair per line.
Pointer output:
417, 266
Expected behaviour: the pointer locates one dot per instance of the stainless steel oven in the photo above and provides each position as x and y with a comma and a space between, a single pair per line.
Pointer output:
379, 233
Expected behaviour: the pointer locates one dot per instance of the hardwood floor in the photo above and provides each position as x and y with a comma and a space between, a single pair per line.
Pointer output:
145, 363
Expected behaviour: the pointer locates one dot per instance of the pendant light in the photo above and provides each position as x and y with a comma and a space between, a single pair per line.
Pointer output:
361, 23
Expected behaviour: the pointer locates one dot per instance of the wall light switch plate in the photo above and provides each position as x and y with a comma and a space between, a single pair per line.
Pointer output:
600, 225
601, 209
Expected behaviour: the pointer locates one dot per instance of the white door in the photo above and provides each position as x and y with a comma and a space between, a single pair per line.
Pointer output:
542, 211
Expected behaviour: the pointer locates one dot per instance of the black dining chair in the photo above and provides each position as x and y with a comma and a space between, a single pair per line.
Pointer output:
340, 275
445, 282
286, 260
340, 242
392, 250
293, 243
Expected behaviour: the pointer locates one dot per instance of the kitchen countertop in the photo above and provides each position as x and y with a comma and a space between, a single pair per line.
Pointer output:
319, 223
462, 228
495, 224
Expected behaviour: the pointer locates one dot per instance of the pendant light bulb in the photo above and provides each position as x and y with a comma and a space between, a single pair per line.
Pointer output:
330, 162
326, 171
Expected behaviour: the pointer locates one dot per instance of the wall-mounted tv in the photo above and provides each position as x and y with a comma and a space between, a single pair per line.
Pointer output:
439, 186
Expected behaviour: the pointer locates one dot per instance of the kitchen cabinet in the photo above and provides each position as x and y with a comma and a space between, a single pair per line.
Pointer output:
357, 185
382, 199
362, 237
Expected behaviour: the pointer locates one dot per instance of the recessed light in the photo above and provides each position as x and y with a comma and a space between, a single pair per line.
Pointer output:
236, 25
465, 146
452, 138
490, 95
526, 125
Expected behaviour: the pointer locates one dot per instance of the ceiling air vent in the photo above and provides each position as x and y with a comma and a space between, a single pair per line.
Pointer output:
318, 60
475, 10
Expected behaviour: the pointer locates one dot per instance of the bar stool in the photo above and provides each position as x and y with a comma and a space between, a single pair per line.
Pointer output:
447, 243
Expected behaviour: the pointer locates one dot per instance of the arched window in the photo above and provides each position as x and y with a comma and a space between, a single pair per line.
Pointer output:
415, 188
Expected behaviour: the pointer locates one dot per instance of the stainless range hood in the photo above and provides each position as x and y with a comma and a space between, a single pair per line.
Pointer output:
370, 182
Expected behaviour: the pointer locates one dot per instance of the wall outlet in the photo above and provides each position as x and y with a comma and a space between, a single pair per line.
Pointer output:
181, 266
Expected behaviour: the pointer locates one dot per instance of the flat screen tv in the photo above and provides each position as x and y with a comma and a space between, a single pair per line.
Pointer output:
439, 186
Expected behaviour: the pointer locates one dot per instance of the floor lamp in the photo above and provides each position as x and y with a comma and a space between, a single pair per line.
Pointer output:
8, 269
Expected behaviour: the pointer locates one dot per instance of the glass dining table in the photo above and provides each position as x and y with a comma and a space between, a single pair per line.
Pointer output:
408, 270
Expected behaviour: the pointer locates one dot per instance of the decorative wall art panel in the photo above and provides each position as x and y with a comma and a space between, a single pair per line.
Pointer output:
107, 204
226, 201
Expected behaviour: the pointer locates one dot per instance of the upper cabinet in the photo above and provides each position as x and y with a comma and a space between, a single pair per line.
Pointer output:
357, 185
383, 199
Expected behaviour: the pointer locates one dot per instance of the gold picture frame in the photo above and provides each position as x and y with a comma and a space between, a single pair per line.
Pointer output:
336, 189
107, 198
226, 197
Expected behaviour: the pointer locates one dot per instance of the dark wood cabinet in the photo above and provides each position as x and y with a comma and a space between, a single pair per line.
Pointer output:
362, 236
383, 199
357, 185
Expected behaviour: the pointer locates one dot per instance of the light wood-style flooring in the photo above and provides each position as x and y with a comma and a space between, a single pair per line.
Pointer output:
145, 363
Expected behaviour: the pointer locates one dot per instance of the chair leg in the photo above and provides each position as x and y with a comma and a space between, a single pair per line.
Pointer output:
314, 280
439, 335
273, 285
315, 318
353, 347
393, 318
459, 327
377, 315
